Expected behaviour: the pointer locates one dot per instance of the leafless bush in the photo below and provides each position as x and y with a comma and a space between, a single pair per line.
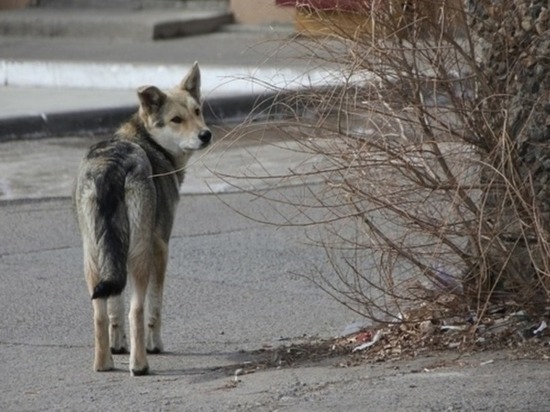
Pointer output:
425, 198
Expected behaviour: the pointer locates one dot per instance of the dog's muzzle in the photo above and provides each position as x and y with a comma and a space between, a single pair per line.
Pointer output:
205, 136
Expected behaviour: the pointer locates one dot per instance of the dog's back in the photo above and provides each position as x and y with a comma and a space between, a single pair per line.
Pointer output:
127, 190
115, 196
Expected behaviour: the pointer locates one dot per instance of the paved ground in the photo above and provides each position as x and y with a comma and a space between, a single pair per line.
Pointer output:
231, 290
232, 287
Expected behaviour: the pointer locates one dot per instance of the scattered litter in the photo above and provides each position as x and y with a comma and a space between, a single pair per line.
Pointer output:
426, 327
366, 345
486, 362
238, 372
520, 314
454, 327
230, 385
541, 327
363, 337
445, 281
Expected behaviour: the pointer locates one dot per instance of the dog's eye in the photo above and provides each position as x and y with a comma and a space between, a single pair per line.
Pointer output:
176, 119
197, 111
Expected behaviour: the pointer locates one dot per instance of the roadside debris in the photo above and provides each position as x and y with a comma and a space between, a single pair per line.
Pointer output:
238, 372
542, 326
366, 345
419, 330
446, 282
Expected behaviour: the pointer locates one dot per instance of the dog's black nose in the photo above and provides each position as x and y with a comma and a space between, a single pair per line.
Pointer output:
205, 136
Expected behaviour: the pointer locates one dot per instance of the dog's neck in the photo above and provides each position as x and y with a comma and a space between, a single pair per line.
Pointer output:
135, 127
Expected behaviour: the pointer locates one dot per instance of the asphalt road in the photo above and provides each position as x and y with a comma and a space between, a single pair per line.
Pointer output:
232, 288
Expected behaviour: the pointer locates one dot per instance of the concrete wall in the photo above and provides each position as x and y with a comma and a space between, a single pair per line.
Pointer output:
134, 4
260, 12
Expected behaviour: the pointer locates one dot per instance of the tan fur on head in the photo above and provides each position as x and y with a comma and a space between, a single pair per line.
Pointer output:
174, 118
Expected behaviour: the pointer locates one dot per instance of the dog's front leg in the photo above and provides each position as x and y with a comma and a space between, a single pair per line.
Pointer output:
154, 298
103, 360
117, 334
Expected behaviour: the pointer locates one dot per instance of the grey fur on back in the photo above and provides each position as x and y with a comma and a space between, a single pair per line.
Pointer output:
132, 159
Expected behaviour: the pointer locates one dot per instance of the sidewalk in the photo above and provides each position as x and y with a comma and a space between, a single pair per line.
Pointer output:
45, 77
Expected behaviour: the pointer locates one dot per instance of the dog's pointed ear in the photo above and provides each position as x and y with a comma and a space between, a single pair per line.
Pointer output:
151, 98
192, 82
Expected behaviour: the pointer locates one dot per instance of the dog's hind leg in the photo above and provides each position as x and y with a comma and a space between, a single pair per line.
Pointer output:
140, 197
117, 315
140, 270
103, 360
154, 297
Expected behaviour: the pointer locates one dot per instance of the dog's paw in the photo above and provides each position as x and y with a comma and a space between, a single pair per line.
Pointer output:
119, 351
139, 365
140, 372
105, 365
154, 343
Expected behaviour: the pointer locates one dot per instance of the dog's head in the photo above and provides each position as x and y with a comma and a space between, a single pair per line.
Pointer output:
174, 118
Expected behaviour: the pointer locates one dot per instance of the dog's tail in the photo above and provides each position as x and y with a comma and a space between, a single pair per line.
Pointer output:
106, 218
112, 234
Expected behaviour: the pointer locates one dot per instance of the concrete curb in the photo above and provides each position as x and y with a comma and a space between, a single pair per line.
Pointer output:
221, 80
216, 110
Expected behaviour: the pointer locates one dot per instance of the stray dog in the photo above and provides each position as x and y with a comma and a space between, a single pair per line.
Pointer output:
125, 196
